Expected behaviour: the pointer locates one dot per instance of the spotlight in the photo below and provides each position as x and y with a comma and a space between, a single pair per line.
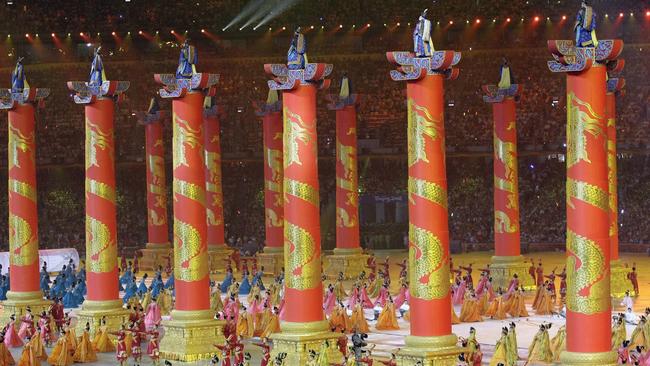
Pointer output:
172, 31
398, 24
494, 20
53, 35
451, 22
284, 28
69, 34
340, 25
140, 32
563, 17
467, 21
606, 15
36, 35
202, 30
157, 32
631, 14
128, 33
270, 29
354, 25
478, 21
312, 27
508, 20
112, 33
26, 35
537, 19
620, 15
97, 34
384, 24
81, 34
647, 13
368, 25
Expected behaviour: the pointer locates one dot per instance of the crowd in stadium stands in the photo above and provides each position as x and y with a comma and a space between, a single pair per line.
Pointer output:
541, 117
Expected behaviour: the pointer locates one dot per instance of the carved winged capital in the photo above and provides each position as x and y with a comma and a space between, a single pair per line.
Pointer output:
8, 99
409, 67
177, 87
284, 79
86, 94
494, 94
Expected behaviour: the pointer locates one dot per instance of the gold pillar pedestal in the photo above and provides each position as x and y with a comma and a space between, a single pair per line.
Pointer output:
297, 339
17, 303
272, 259
217, 255
619, 281
349, 261
191, 335
92, 312
430, 351
154, 255
503, 267
588, 359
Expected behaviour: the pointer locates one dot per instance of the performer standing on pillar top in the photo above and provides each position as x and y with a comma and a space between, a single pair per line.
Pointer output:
192, 330
272, 257
158, 244
24, 279
507, 260
217, 249
430, 303
304, 327
99, 95
347, 258
588, 301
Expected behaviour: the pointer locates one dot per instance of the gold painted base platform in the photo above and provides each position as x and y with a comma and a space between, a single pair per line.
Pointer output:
217, 258
349, 261
430, 351
502, 269
272, 259
155, 255
92, 313
17, 303
190, 336
297, 339
588, 359
619, 281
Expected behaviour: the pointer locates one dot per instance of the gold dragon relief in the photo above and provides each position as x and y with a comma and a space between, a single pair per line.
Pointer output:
429, 276
506, 153
421, 124
352, 199
23, 243
97, 139
296, 131
344, 219
155, 219
503, 224
100, 189
185, 137
214, 218
582, 120
213, 166
511, 188
100, 246
301, 257
430, 191
587, 193
273, 219
157, 170
24, 189
347, 156
18, 142
189, 190
190, 259
273, 159
587, 276
300, 190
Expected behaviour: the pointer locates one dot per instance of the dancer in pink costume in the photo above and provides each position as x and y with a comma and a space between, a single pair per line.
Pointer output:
27, 328
383, 295
330, 300
459, 294
12, 340
365, 299
153, 316
403, 296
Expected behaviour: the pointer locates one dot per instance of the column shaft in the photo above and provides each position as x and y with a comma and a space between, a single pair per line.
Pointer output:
506, 191
347, 180
214, 191
588, 287
304, 290
101, 220
273, 173
190, 225
612, 175
428, 222
23, 215
157, 225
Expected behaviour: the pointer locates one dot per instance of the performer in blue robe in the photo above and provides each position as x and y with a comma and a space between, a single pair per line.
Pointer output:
245, 287
170, 282
78, 293
3, 288
45, 279
157, 285
18, 79
69, 300
257, 279
227, 281
142, 288
131, 290
126, 276
97, 75
187, 61
422, 42
297, 54
585, 27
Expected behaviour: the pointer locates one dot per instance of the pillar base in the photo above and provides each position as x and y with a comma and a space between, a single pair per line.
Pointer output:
588, 359
17, 302
296, 339
502, 268
430, 351
217, 256
191, 335
619, 281
349, 261
93, 311
272, 259
154, 255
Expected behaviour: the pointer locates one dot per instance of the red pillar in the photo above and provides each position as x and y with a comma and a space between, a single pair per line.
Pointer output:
23, 215
347, 179
273, 201
192, 282
304, 289
214, 197
157, 225
610, 110
588, 300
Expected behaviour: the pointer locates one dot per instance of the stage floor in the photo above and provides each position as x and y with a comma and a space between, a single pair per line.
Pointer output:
488, 331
